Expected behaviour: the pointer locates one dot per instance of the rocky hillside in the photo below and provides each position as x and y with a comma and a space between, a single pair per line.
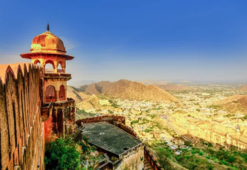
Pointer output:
87, 101
76, 94
174, 87
125, 89
233, 104
91, 102
243, 88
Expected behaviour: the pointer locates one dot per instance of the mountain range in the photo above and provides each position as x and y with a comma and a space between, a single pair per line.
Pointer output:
174, 87
126, 89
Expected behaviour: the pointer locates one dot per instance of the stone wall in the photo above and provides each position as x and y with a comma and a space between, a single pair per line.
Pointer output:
120, 122
134, 159
107, 118
148, 155
21, 127
215, 134
152, 159
126, 129
59, 118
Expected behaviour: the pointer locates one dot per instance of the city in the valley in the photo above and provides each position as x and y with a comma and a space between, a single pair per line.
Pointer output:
123, 85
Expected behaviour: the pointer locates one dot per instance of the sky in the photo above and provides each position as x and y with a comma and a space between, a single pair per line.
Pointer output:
173, 40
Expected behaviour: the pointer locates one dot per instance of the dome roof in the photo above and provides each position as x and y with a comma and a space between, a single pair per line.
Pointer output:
47, 42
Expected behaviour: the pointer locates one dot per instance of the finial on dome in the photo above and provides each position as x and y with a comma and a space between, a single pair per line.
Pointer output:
48, 27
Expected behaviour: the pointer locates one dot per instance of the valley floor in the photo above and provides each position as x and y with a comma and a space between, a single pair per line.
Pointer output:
169, 123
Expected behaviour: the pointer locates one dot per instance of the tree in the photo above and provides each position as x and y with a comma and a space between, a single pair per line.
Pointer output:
187, 143
231, 159
62, 154
163, 155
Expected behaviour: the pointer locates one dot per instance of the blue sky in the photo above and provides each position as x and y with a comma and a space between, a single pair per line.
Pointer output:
169, 40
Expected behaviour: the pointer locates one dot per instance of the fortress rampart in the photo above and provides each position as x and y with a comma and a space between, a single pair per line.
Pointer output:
21, 128
107, 118
213, 133
152, 159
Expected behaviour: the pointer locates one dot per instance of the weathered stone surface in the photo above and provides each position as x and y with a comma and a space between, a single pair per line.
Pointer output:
21, 128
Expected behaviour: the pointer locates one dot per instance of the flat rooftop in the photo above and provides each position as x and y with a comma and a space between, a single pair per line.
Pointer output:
109, 137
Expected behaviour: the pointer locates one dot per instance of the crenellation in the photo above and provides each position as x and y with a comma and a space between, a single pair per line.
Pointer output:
19, 128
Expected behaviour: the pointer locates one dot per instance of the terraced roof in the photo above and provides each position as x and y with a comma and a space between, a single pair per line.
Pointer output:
109, 137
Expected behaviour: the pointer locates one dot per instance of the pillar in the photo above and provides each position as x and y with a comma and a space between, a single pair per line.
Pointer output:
55, 65
63, 121
57, 92
63, 68
55, 121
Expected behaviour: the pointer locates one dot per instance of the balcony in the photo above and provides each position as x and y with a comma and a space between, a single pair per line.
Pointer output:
51, 71
60, 76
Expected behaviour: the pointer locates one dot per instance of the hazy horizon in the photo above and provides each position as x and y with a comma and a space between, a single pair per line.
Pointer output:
166, 41
87, 82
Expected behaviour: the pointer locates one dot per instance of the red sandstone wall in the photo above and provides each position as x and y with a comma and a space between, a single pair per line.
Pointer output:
48, 128
21, 127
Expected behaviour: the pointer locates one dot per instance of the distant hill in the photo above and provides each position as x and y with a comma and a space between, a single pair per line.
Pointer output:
148, 82
76, 94
92, 102
174, 87
233, 104
243, 88
126, 89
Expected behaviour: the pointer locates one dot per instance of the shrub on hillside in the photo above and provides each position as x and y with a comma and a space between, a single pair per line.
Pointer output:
62, 154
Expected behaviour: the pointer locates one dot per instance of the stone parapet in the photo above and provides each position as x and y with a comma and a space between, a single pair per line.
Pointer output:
152, 159
21, 126
107, 118
119, 121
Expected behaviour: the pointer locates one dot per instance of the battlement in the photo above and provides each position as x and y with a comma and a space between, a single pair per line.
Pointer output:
21, 127
14, 69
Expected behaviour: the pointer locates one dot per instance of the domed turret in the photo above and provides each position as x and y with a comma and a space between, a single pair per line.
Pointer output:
47, 42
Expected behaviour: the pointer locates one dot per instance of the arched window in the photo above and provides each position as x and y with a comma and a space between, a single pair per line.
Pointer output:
50, 94
62, 93
49, 66
37, 62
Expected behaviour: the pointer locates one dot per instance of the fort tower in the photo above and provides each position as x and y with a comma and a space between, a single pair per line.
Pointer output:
58, 110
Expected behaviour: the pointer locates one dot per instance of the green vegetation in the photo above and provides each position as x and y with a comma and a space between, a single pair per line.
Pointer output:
245, 117
134, 122
144, 121
70, 153
62, 154
204, 157
214, 107
187, 143
148, 130
114, 104
157, 108
180, 111
151, 115
228, 115
83, 113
